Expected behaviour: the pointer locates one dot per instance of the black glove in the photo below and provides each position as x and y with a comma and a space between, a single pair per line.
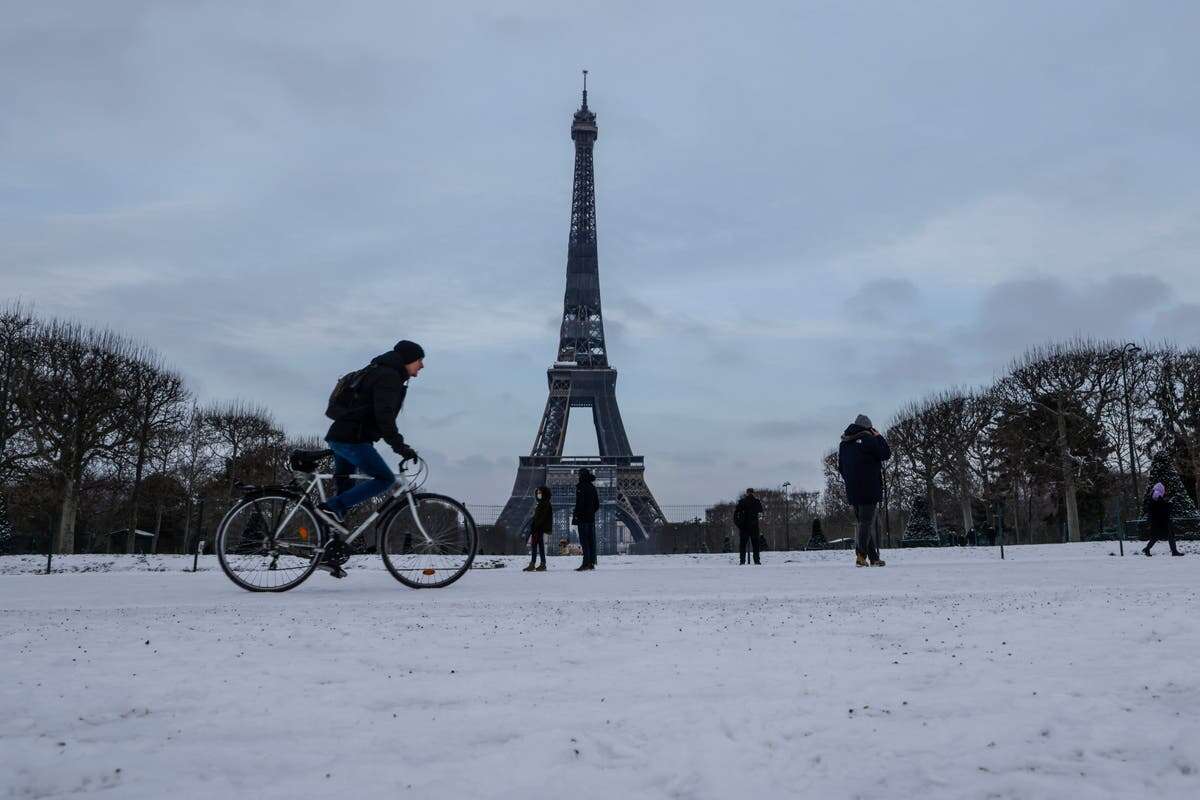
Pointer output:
405, 452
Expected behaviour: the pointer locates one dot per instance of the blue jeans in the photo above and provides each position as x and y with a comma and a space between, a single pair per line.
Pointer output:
364, 458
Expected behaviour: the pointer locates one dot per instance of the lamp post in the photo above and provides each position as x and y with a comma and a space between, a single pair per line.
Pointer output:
1122, 352
787, 534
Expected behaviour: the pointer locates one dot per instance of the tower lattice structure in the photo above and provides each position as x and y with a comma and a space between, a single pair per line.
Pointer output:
582, 378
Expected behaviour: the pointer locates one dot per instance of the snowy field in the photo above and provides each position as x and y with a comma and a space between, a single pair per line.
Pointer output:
1062, 672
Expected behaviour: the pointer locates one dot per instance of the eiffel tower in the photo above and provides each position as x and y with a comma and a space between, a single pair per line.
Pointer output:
582, 378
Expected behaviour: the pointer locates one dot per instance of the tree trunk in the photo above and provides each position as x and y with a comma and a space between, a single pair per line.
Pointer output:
139, 468
932, 508
964, 498
187, 528
1194, 449
65, 536
1068, 468
158, 516
1017, 514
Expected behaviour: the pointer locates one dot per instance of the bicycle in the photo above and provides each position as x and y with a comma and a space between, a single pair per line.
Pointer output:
274, 538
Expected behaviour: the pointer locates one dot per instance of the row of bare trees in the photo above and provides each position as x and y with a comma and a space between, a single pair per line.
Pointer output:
1062, 440
103, 442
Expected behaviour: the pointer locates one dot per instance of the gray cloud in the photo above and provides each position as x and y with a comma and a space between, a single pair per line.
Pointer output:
271, 199
780, 428
1015, 313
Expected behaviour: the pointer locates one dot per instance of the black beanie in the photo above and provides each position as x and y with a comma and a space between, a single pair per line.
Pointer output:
408, 351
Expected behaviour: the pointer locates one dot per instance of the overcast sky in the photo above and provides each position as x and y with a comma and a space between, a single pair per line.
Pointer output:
806, 210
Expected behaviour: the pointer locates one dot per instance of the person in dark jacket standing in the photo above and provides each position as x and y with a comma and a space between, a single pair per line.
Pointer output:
745, 517
1158, 510
860, 461
541, 527
587, 503
363, 412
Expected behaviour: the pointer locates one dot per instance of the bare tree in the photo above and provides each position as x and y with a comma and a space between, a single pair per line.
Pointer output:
17, 335
1176, 396
239, 428
76, 403
957, 419
1074, 383
156, 406
920, 456
194, 465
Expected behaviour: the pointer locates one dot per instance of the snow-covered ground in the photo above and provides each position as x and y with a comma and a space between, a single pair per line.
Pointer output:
1062, 672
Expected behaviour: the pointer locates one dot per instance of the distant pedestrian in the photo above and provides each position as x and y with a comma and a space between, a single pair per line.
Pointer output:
816, 537
860, 461
745, 517
541, 527
1158, 510
587, 503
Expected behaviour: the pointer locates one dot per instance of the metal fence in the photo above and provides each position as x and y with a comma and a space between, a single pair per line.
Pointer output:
688, 529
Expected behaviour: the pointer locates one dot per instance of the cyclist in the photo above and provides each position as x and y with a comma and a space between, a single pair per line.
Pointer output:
363, 407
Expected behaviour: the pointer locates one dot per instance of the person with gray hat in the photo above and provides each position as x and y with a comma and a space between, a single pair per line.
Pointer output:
861, 454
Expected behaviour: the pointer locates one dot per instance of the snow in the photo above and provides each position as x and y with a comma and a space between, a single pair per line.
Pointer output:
1060, 672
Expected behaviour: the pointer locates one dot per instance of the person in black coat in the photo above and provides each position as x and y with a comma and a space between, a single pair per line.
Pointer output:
540, 527
363, 407
745, 517
1158, 510
587, 503
861, 454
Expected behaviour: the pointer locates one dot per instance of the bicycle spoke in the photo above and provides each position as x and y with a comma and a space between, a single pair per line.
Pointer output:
269, 543
439, 559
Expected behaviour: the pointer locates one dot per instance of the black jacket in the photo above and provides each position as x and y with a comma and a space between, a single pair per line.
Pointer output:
745, 513
1159, 513
385, 385
587, 500
543, 517
860, 461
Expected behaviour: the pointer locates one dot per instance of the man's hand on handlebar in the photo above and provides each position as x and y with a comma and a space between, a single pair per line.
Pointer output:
405, 452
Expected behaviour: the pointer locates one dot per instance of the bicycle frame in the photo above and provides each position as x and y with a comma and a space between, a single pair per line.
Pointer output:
401, 488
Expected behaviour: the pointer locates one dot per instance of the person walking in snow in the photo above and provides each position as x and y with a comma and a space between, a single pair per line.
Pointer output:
541, 527
1158, 510
861, 454
587, 503
745, 517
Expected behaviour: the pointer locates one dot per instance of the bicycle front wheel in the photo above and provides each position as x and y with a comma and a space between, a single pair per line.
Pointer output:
269, 542
428, 541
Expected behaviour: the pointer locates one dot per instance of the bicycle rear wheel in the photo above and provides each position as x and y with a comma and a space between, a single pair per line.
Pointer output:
269, 542
434, 553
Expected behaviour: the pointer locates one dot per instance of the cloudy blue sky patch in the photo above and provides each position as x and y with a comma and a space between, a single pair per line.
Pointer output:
806, 210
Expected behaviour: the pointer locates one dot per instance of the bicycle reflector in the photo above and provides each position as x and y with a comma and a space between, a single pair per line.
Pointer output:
428, 571
303, 534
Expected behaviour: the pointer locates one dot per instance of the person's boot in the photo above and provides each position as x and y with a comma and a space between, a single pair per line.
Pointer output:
860, 560
529, 568
1146, 552
878, 562
542, 568
1176, 553
582, 567
335, 551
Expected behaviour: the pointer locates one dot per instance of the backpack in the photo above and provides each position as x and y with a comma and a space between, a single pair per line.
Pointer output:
347, 397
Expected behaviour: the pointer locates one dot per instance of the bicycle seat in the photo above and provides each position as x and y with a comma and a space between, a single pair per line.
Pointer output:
307, 460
